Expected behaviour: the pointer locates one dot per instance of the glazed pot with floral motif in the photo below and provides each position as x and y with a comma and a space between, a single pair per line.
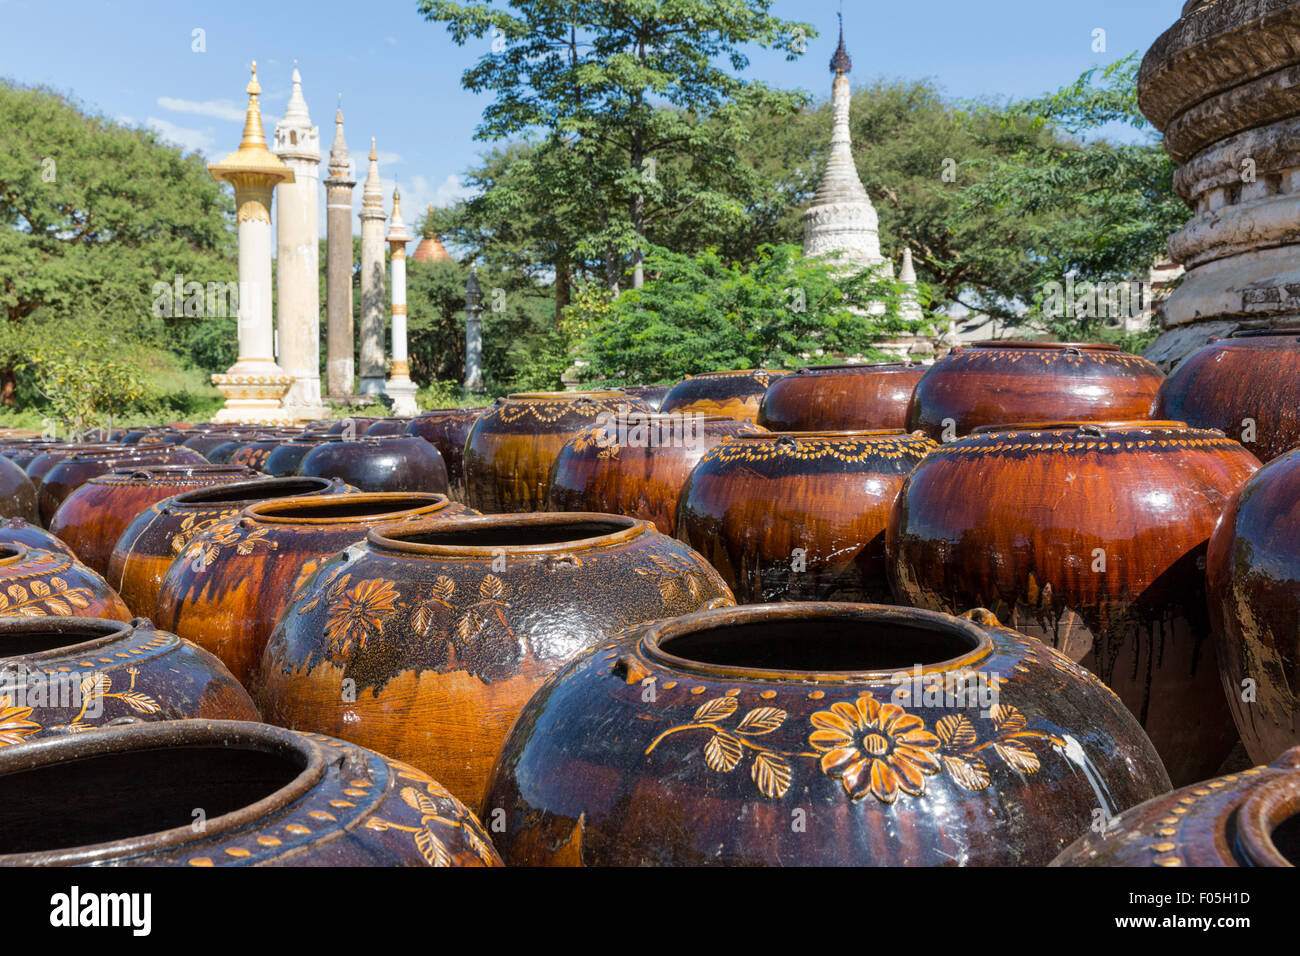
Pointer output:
841, 397
17, 493
208, 440
736, 394
799, 516
1092, 538
94, 516
21, 531
228, 586
73, 472
637, 464
512, 446
1249, 818
253, 454
146, 549
652, 395
447, 429
37, 583
394, 463
1246, 385
1000, 382
445, 628
1253, 575
816, 734
271, 797
63, 675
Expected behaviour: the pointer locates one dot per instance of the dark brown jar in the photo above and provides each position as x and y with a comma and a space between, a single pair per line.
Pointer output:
17, 493
38, 583
652, 395
1247, 385
71, 473
1090, 537
270, 797
445, 628
447, 429
65, 675
997, 383
51, 455
816, 735
288, 455
841, 397
228, 587
21, 531
637, 465
799, 516
512, 446
146, 549
387, 426
1251, 818
396, 463
734, 394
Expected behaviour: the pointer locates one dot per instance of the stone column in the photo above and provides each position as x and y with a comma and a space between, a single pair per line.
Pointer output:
399, 386
297, 143
473, 332
339, 343
372, 281
255, 384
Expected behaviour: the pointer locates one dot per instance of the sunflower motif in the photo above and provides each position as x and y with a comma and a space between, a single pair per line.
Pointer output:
14, 725
357, 614
875, 748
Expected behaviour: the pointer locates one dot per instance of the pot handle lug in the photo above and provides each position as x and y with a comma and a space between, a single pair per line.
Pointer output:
630, 669
982, 616
1090, 431
785, 441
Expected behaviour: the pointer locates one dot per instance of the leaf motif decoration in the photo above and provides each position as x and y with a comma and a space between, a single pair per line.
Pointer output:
967, 771
4, 602
58, 583
1007, 719
719, 708
419, 801
1017, 754
957, 731
761, 720
40, 589
722, 753
431, 848
58, 607
443, 588
492, 587
95, 684
19, 593
77, 597
771, 774
667, 588
140, 703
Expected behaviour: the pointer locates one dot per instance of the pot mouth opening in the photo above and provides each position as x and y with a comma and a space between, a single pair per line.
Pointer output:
171, 471
847, 435
329, 509
246, 491
1293, 330
1118, 425
443, 412
598, 394
494, 535
11, 553
41, 637
1268, 822
819, 642
131, 790
860, 367
1059, 346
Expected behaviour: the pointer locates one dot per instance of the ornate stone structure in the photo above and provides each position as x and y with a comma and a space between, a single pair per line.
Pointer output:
399, 386
473, 332
372, 280
1223, 85
297, 143
339, 343
430, 248
255, 384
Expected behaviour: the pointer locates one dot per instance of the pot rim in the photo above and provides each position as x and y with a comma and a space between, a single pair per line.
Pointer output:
572, 397
167, 735
109, 631
443, 412
734, 371
11, 553
167, 471
822, 610
862, 434
383, 537
860, 367
266, 511
1119, 424
1280, 330
1268, 806
193, 498
1027, 344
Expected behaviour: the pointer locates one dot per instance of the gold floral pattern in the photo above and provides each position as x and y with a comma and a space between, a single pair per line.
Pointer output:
487, 612
676, 576
875, 748
359, 614
431, 846
193, 525
100, 686
41, 598
806, 448
14, 723
227, 534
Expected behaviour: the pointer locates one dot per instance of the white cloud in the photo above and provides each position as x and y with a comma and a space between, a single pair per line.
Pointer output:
217, 109
389, 159
451, 190
190, 140
391, 41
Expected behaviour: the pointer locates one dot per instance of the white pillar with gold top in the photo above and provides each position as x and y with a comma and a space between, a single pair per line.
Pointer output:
399, 386
255, 385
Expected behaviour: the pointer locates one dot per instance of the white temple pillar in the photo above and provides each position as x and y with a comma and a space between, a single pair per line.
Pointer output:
399, 386
372, 281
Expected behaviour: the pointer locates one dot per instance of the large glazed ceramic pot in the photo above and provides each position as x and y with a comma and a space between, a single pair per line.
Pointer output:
733, 394
37, 583
227, 588
799, 516
17, 493
51, 455
65, 675
387, 426
253, 454
816, 735
71, 473
1253, 573
1090, 537
512, 446
21, 531
93, 517
393, 463
162, 531
288, 455
22, 452
1250, 818
637, 465
208, 440
1247, 386
997, 383
447, 429
270, 797
652, 395
445, 629
841, 397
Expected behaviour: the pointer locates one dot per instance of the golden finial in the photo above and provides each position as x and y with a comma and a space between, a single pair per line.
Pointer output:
253, 133
373, 155
252, 165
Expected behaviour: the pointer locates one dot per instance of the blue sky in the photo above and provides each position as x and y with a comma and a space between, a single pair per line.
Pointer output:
400, 76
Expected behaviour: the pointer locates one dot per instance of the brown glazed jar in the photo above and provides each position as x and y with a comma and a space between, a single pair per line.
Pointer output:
17, 493
447, 429
1090, 537
900, 737
288, 455
64, 675
1253, 574
38, 583
652, 395
396, 463
1247, 386
637, 465
447, 628
71, 473
1249, 818
227, 588
51, 455
799, 516
996, 383
733, 394
387, 426
841, 397
94, 516
253, 454
20, 531
512, 446
272, 797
